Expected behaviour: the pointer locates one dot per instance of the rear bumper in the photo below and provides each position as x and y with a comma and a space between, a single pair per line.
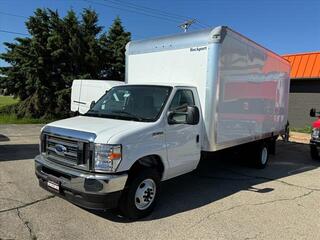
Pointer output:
88, 190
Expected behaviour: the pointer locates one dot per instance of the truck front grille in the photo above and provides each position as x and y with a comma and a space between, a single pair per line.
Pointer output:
68, 151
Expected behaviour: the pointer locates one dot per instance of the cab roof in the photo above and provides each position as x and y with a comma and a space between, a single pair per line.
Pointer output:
167, 84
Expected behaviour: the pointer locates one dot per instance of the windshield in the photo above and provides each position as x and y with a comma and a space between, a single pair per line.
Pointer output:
138, 103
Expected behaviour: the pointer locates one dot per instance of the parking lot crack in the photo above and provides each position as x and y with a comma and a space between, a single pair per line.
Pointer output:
27, 225
250, 204
27, 204
283, 199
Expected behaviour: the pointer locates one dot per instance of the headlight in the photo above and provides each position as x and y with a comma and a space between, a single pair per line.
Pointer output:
107, 157
315, 132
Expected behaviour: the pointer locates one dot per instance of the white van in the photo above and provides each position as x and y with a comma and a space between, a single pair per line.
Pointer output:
85, 91
185, 95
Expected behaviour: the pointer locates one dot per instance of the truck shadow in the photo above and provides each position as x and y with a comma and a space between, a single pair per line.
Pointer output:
223, 175
13, 152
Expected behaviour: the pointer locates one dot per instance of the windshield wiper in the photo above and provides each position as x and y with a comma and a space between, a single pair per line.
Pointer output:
91, 113
130, 115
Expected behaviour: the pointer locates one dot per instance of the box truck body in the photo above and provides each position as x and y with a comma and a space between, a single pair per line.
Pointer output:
184, 95
243, 87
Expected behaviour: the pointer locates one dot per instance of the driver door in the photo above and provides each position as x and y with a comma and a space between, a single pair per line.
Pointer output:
182, 139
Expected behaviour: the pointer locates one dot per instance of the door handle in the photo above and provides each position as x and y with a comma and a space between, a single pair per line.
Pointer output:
157, 134
197, 138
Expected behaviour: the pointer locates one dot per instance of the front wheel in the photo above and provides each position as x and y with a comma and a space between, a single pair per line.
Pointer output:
139, 199
314, 152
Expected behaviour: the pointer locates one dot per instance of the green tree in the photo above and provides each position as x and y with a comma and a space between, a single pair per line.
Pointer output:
115, 42
42, 66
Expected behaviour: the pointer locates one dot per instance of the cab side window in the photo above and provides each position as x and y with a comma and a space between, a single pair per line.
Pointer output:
181, 100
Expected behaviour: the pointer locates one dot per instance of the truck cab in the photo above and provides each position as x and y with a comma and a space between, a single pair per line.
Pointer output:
118, 152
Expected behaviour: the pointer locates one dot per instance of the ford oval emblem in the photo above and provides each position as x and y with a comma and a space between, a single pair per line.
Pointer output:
60, 149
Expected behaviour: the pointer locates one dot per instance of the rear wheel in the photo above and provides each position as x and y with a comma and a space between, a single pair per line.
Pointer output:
314, 152
140, 198
261, 155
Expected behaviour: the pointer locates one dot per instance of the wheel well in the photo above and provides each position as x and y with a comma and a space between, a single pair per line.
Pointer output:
271, 142
151, 161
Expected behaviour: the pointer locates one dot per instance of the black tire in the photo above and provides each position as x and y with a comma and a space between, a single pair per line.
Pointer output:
261, 155
314, 152
127, 205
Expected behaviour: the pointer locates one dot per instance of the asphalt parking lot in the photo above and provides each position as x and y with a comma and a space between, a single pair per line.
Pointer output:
223, 199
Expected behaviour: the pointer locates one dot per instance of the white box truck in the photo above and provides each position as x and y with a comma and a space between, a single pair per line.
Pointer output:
86, 91
184, 95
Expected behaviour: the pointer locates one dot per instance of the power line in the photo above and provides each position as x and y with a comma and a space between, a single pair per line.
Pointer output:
112, 3
203, 25
135, 8
130, 10
129, 7
11, 32
13, 15
156, 11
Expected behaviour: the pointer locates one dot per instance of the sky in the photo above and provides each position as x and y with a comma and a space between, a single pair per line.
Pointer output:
283, 26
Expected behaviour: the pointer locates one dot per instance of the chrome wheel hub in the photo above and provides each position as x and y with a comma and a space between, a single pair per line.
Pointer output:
145, 194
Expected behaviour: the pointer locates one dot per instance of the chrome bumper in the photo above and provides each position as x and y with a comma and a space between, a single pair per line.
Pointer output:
315, 142
79, 181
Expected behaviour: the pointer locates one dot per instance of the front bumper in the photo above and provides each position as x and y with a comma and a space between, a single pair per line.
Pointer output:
88, 190
315, 142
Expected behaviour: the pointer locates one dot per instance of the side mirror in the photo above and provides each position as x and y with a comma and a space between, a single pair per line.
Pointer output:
312, 112
92, 104
191, 116
177, 117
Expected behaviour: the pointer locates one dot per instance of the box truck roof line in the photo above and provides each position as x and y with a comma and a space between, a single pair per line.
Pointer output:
190, 39
186, 40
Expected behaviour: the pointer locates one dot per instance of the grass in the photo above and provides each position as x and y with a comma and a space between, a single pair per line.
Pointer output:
12, 119
7, 100
306, 129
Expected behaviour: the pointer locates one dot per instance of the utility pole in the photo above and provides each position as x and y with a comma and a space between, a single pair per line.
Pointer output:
185, 26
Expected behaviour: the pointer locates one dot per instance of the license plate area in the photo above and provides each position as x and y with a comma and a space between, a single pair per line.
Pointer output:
54, 186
